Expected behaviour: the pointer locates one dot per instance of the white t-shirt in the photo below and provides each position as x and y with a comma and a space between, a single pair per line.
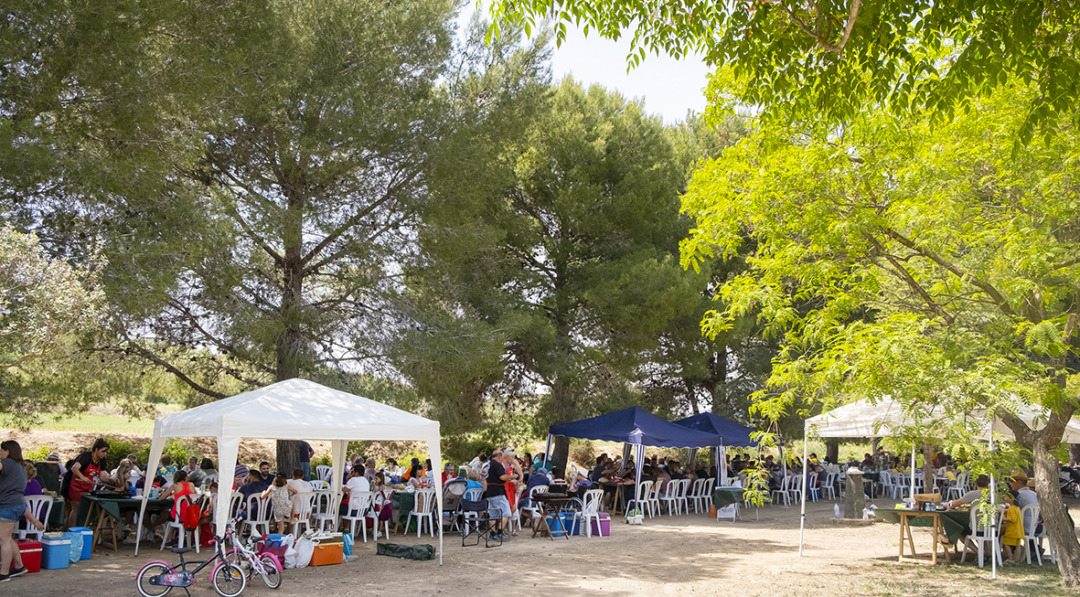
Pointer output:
300, 485
358, 484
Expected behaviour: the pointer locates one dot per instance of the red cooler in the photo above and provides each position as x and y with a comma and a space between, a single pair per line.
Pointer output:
31, 554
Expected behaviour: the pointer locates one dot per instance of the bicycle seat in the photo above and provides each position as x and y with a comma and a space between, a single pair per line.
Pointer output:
181, 549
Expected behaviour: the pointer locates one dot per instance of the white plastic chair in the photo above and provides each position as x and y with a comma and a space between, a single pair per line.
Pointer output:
782, 493
424, 510
381, 500
534, 512
325, 511
694, 493
795, 485
473, 495
704, 497
324, 473
675, 498
258, 515
590, 511
303, 506
515, 514
828, 490
644, 492
182, 503
1029, 518
40, 506
319, 485
654, 498
959, 487
357, 511
981, 537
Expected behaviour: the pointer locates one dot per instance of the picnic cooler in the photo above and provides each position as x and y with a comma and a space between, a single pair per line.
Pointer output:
330, 550
55, 551
602, 527
274, 544
87, 541
556, 526
568, 523
31, 554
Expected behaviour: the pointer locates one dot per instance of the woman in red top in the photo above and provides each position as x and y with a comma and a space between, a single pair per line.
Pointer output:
89, 468
180, 487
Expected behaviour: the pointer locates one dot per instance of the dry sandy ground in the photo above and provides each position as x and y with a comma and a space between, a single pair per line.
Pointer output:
684, 555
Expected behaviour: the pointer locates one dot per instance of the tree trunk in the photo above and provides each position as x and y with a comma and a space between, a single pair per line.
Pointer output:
560, 453
560, 450
290, 341
832, 450
1055, 518
928, 468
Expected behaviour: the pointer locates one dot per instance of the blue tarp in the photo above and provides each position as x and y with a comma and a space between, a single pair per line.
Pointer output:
636, 426
733, 434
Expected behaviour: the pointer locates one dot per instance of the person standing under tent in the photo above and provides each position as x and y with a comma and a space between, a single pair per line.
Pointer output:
305, 459
86, 471
12, 508
497, 477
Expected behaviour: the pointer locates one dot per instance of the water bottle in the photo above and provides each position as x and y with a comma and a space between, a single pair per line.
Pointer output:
836, 510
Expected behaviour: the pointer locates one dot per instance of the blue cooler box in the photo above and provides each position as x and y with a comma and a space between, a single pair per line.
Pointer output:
568, 523
55, 551
87, 541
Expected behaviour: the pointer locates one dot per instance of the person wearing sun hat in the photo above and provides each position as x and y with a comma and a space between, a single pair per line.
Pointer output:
1018, 481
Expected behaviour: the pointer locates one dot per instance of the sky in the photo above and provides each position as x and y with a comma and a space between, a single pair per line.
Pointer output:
668, 87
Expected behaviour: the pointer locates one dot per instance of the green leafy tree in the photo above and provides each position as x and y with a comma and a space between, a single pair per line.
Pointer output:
556, 266
939, 264
827, 58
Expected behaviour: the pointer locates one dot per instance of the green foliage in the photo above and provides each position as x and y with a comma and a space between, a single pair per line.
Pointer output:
178, 450
324, 460
756, 492
816, 59
37, 454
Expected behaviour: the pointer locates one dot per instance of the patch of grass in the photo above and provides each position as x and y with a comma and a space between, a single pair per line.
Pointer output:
911, 580
103, 424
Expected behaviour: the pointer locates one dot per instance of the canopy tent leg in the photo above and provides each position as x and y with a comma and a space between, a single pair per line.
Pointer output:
802, 514
547, 452
626, 449
337, 478
639, 462
157, 446
721, 465
228, 448
913, 471
435, 449
993, 504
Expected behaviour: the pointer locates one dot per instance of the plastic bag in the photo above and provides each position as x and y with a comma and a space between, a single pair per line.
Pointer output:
76, 546
291, 556
305, 548
346, 544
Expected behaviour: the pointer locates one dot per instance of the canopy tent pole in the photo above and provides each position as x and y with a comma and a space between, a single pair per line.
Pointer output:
783, 461
802, 515
435, 449
626, 447
639, 462
721, 465
993, 504
547, 454
913, 471
157, 446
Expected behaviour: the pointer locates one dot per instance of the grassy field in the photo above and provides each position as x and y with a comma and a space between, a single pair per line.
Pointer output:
100, 419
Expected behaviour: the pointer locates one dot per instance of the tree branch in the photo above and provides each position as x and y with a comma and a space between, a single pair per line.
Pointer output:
901, 272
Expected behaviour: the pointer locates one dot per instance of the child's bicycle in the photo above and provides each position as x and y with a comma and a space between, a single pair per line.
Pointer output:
244, 557
157, 578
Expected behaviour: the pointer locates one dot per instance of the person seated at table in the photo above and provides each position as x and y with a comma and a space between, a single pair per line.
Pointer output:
868, 464
357, 482
240, 475
166, 469
598, 470
370, 470
32, 485
415, 470
448, 472
580, 485
252, 485
298, 482
121, 481
204, 473
663, 480
267, 476
191, 466
180, 487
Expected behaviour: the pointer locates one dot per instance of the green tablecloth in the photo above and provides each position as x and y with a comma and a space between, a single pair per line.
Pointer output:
116, 506
725, 496
954, 521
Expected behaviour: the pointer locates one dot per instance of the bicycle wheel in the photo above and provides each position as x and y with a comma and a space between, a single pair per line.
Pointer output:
270, 573
229, 581
142, 580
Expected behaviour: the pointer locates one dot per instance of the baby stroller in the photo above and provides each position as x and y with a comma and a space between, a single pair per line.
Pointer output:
453, 492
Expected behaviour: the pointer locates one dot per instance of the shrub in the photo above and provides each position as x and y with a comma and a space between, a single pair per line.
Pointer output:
37, 454
179, 452
582, 452
323, 460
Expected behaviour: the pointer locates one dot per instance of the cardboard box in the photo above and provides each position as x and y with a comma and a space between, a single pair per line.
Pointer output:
31, 554
55, 551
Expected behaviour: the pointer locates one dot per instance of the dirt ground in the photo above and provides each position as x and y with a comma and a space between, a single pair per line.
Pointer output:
682, 555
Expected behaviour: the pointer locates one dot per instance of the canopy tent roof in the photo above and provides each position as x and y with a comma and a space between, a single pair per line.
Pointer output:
885, 416
636, 426
732, 433
292, 410
298, 409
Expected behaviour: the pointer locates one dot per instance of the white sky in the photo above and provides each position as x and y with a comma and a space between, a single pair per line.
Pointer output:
668, 87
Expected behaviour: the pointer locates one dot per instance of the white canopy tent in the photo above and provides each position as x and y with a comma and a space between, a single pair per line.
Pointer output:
294, 409
886, 416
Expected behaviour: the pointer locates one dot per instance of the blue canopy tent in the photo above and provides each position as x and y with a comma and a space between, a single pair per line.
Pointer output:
731, 434
637, 427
